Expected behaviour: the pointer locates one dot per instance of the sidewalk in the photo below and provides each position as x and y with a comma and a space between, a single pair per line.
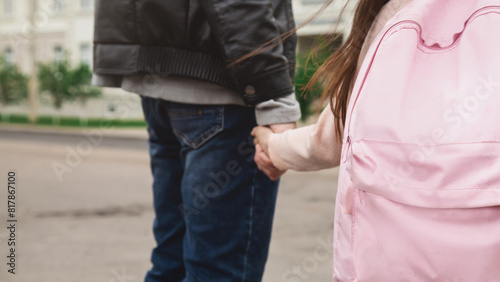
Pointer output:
128, 133
95, 223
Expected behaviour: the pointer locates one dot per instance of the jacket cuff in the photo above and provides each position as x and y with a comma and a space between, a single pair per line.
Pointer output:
275, 111
266, 87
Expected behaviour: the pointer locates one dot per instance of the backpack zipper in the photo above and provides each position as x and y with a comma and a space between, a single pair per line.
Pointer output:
345, 149
347, 146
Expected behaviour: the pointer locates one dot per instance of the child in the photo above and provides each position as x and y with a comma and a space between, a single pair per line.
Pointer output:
447, 226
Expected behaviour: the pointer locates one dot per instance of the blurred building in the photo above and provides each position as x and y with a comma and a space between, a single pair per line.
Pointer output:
62, 28
327, 22
59, 28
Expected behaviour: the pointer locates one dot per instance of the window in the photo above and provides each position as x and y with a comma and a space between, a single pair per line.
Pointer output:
8, 7
86, 5
9, 56
58, 54
85, 54
59, 6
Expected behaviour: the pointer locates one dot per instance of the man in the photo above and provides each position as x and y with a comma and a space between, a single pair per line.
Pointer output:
213, 207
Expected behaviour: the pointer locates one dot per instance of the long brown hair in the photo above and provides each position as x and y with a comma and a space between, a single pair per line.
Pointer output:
337, 74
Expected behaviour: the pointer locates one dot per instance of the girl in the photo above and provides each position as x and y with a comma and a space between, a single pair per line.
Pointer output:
446, 228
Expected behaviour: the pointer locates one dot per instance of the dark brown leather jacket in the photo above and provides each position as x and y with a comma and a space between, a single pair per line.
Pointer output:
199, 39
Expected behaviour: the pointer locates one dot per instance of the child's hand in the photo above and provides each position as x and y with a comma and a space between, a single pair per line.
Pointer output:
262, 135
261, 158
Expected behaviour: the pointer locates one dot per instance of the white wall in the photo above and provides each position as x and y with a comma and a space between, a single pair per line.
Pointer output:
327, 20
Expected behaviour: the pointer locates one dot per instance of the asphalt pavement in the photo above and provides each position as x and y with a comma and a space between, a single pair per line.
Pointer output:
82, 210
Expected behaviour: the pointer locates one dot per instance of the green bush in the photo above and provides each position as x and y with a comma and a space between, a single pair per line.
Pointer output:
307, 65
64, 83
75, 121
13, 84
303, 73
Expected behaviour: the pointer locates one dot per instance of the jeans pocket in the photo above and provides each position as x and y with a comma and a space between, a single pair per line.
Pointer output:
196, 124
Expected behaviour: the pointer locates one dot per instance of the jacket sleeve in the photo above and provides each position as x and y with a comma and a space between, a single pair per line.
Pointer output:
242, 27
308, 148
282, 110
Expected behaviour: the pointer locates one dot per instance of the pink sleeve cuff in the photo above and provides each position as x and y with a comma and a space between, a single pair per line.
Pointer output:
274, 153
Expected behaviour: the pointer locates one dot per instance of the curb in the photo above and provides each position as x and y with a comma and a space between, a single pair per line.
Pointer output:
122, 133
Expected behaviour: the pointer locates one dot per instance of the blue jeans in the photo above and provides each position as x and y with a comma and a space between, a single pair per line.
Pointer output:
214, 209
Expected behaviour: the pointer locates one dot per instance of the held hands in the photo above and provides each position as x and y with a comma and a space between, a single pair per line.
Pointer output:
261, 141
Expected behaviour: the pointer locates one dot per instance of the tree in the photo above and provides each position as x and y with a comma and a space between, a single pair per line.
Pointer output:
13, 84
64, 83
83, 89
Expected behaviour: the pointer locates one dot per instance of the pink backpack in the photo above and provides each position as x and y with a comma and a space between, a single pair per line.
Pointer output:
419, 189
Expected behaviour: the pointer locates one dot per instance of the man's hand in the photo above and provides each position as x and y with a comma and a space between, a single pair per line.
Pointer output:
265, 164
261, 141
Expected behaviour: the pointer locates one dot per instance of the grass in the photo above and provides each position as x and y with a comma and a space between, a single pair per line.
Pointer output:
72, 121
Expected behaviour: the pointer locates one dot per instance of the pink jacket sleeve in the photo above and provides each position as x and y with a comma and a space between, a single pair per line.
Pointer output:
312, 147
